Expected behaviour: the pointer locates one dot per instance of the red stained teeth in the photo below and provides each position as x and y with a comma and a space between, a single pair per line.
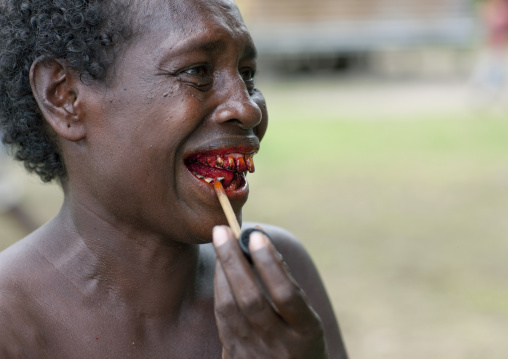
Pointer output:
228, 168
206, 179
229, 163
240, 164
232, 162
249, 162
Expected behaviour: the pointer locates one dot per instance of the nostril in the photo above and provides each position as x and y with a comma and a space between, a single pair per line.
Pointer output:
239, 112
234, 121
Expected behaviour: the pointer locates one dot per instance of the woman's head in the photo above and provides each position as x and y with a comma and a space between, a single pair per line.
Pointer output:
175, 95
83, 33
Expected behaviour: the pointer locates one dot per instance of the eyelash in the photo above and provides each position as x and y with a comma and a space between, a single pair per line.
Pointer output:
197, 76
202, 73
200, 67
248, 75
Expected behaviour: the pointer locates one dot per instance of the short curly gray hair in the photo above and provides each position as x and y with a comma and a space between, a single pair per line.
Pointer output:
84, 33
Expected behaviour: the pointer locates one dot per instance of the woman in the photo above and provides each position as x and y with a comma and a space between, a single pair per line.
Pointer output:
121, 102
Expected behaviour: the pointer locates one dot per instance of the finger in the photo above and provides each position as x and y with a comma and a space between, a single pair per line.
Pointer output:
248, 295
289, 299
230, 320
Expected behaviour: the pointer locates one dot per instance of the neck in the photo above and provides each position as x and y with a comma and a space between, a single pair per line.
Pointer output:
116, 265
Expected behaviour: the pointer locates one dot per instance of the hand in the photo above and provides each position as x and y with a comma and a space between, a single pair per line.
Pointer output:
276, 322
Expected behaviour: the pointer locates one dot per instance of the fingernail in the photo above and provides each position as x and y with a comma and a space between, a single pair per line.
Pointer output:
220, 235
257, 241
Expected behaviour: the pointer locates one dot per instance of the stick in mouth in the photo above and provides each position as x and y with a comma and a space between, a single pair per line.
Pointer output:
226, 207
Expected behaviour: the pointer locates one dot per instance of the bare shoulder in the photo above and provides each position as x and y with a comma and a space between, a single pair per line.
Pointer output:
18, 264
286, 243
18, 331
293, 252
307, 275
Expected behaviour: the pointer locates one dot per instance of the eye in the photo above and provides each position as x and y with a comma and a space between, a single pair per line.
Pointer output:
201, 70
248, 77
247, 74
198, 76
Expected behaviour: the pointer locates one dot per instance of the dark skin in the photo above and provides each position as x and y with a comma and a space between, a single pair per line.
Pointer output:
126, 269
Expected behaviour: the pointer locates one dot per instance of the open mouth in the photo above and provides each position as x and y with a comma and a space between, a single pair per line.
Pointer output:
230, 168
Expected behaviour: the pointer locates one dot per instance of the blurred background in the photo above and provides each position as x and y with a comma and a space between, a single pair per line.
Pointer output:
387, 155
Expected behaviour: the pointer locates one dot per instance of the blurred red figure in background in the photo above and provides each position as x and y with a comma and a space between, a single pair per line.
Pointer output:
495, 15
489, 76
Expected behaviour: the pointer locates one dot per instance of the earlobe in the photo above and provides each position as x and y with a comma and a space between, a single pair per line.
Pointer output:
56, 90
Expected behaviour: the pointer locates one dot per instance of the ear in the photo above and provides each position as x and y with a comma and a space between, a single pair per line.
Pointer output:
56, 89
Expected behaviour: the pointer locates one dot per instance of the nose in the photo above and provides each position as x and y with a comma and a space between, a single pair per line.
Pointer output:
237, 106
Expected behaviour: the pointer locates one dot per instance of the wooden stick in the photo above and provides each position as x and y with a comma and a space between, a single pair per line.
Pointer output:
226, 207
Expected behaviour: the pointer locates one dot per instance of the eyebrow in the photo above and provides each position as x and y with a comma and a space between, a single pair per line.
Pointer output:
198, 44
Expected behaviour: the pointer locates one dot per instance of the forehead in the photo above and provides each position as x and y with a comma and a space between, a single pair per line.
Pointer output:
185, 16
169, 24
170, 27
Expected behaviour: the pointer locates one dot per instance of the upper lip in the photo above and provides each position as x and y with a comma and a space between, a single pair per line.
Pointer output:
242, 145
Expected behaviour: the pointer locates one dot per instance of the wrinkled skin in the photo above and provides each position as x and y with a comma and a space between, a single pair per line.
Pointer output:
126, 269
